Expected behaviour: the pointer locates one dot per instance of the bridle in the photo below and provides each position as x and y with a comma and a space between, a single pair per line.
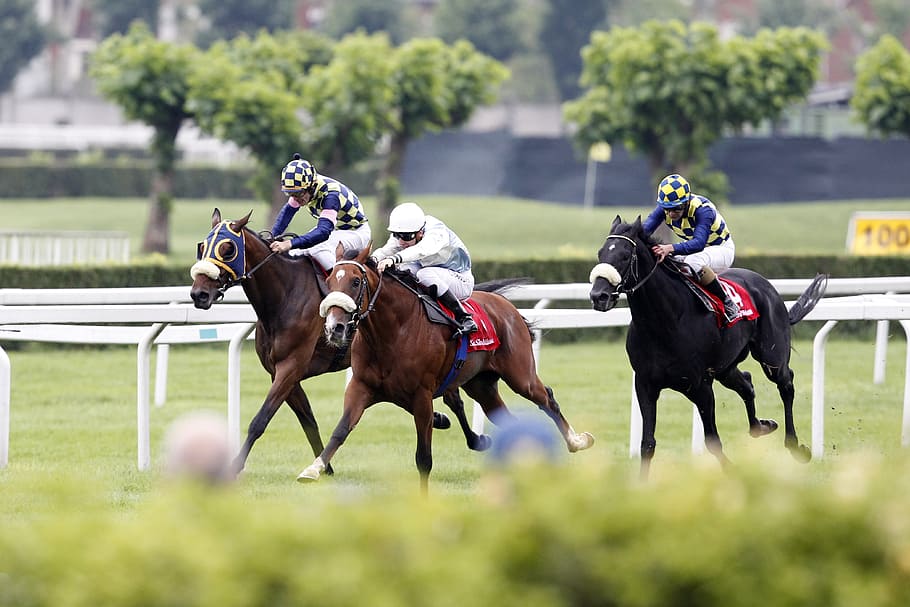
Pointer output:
365, 290
228, 282
631, 271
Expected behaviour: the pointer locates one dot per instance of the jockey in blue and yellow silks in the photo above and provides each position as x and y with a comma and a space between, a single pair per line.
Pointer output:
338, 212
706, 244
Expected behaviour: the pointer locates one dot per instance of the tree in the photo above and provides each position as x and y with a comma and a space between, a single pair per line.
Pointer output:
248, 91
22, 39
148, 79
492, 26
229, 18
881, 97
115, 16
567, 27
372, 16
434, 87
669, 90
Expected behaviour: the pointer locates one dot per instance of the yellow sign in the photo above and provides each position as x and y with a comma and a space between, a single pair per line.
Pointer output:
879, 234
600, 152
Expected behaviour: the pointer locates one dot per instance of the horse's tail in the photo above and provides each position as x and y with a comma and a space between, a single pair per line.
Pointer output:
501, 284
809, 298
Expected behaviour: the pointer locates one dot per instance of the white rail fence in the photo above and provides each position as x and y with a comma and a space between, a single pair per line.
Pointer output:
98, 316
63, 248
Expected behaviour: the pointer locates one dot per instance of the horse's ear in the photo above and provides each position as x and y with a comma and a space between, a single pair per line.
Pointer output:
339, 252
636, 225
616, 222
364, 252
216, 217
238, 224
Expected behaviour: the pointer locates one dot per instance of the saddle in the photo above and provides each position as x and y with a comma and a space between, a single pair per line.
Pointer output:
484, 338
709, 300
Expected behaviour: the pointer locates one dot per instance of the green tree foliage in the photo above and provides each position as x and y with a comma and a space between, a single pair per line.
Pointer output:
348, 103
435, 86
567, 27
248, 90
148, 79
372, 16
881, 98
669, 91
21, 39
229, 18
492, 26
115, 16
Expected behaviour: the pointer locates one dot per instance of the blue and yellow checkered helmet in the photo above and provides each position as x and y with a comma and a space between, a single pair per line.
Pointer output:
297, 176
673, 191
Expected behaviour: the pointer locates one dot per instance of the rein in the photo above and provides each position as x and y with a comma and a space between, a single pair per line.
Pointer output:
236, 281
357, 316
632, 270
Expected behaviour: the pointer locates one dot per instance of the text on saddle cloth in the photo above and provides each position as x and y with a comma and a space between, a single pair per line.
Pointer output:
739, 296
485, 337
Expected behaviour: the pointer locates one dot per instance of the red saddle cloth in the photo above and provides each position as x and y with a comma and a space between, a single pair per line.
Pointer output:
740, 297
485, 337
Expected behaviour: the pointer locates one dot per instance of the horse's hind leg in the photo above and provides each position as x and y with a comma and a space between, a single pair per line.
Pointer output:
476, 442
300, 405
741, 383
541, 395
783, 377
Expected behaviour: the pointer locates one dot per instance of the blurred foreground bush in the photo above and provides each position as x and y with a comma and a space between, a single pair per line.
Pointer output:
768, 534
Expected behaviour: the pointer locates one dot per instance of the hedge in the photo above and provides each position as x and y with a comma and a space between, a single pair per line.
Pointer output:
552, 535
538, 270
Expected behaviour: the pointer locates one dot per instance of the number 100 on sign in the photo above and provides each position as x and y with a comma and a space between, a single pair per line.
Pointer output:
879, 234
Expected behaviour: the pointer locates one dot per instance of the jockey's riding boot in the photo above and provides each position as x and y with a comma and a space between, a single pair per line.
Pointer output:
730, 308
465, 322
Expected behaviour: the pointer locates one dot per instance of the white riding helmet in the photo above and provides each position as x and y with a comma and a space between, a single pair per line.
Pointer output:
406, 217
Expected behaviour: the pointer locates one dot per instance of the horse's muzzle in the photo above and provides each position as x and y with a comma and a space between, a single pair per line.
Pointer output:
202, 298
602, 300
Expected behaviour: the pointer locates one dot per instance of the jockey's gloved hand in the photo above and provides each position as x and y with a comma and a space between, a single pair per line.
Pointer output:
383, 264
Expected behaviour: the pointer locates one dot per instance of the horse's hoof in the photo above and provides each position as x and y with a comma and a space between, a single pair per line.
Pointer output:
764, 427
802, 454
441, 421
481, 443
580, 442
312, 472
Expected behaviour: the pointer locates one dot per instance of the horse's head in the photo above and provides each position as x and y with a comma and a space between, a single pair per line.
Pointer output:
617, 268
220, 260
353, 285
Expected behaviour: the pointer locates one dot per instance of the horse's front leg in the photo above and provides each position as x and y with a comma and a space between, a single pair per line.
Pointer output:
300, 405
647, 405
423, 422
283, 380
703, 398
356, 399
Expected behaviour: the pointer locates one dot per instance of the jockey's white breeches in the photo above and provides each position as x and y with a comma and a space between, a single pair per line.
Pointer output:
461, 284
324, 252
717, 257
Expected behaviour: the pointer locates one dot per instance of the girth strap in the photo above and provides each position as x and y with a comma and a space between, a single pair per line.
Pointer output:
460, 356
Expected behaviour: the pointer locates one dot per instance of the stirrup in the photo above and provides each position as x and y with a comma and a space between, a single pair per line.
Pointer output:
465, 327
731, 311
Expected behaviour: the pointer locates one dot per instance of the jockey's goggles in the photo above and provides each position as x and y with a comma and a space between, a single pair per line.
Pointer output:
405, 236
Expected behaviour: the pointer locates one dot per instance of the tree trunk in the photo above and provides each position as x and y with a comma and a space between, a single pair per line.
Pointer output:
388, 184
157, 238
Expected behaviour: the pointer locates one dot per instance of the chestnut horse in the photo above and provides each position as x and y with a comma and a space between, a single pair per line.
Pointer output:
675, 342
285, 293
398, 355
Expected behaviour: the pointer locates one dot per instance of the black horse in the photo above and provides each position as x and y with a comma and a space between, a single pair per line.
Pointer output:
674, 341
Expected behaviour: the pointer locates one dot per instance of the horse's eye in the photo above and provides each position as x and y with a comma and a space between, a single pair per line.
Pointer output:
227, 251
356, 283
